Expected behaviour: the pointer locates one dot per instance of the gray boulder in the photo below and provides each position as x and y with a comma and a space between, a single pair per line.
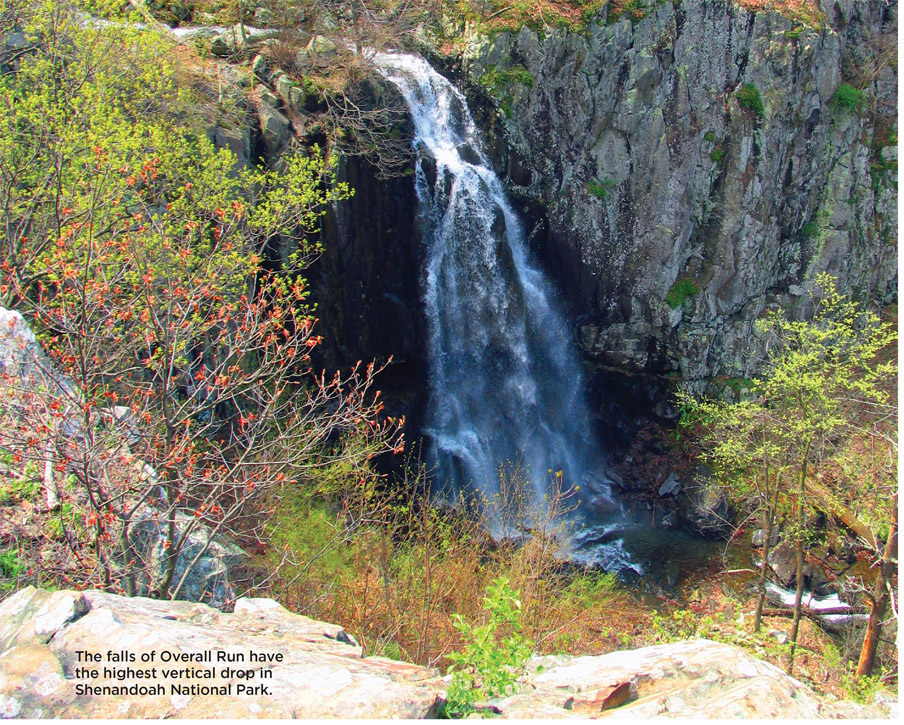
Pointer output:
704, 507
693, 679
209, 560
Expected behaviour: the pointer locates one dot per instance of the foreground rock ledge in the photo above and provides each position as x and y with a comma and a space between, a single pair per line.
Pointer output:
322, 672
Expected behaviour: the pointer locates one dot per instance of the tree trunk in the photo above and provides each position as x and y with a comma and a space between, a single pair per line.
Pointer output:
771, 508
799, 555
879, 600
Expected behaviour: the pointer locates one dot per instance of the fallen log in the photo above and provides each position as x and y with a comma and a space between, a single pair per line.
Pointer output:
789, 612
827, 503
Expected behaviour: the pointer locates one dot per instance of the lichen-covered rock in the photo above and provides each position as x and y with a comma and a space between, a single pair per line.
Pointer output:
320, 672
643, 158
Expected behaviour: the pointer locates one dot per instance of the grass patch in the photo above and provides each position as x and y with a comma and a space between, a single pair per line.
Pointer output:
749, 98
683, 288
600, 189
847, 98
22, 488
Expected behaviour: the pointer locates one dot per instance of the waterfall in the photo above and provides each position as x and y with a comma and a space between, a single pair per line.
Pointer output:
505, 382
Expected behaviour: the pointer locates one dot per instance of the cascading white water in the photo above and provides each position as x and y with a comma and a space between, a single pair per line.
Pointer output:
505, 382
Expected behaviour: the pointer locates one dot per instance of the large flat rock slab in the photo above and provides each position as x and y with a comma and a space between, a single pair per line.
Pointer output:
694, 679
281, 664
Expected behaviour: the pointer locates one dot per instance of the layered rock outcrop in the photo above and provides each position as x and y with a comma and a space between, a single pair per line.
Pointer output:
51, 642
689, 170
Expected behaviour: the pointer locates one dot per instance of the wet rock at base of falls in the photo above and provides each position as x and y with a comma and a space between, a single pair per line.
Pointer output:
603, 505
671, 486
783, 562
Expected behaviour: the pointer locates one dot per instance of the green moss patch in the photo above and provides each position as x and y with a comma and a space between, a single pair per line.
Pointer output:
683, 288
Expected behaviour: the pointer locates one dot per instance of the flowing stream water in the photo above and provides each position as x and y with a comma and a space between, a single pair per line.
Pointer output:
505, 382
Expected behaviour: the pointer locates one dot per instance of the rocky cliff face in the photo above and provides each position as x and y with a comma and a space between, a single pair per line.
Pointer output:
687, 171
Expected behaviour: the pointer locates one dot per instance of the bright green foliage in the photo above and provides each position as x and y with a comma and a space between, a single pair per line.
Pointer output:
709, 136
847, 97
683, 288
820, 385
817, 375
495, 653
10, 570
717, 154
749, 98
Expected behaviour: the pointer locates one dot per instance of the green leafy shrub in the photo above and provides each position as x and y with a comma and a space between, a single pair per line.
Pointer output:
683, 288
749, 98
847, 98
717, 154
709, 136
10, 570
496, 79
495, 653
